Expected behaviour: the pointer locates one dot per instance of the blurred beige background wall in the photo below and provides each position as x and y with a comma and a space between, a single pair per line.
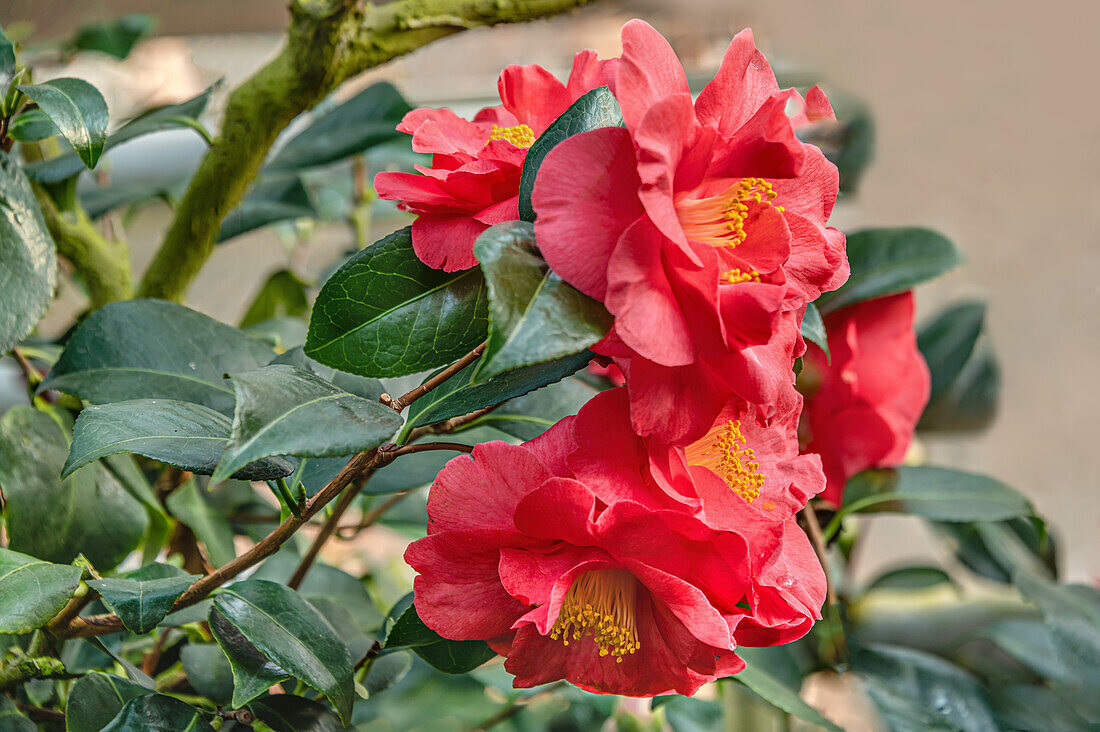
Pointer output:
987, 129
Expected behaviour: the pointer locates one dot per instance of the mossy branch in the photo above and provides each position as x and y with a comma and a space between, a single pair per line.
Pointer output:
329, 41
17, 671
102, 263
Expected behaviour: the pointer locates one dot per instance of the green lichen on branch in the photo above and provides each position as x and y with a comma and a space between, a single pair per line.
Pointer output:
17, 671
102, 263
328, 42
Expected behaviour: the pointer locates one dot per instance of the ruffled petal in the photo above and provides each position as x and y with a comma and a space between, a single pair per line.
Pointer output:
446, 242
648, 71
743, 83
533, 95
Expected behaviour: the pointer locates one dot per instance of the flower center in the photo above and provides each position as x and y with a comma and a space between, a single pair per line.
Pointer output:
720, 220
520, 135
601, 603
723, 452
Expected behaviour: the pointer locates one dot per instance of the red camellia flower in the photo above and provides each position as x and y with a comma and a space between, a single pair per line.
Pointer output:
862, 405
613, 594
473, 181
698, 225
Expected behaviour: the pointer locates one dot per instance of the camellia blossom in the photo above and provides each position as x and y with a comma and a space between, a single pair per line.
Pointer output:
568, 582
745, 475
863, 403
697, 224
473, 181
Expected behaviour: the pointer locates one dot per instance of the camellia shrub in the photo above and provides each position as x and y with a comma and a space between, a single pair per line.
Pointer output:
628, 396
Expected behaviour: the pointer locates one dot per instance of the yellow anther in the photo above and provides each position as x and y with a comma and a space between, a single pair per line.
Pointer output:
601, 603
721, 452
720, 220
520, 135
735, 276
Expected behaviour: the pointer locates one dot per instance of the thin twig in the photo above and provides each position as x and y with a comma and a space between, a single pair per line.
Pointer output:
813, 527
33, 375
326, 531
152, 658
371, 517
403, 401
450, 425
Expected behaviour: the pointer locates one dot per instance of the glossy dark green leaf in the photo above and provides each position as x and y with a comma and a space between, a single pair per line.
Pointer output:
941, 494
189, 436
598, 108
290, 632
32, 126
208, 671
282, 199
909, 578
115, 37
886, 261
813, 328
78, 110
96, 698
282, 294
998, 550
781, 696
88, 513
13, 720
158, 713
171, 116
919, 691
7, 62
965, 374
385, 313
191, 506
387, 670
528, 416
142, 601
365, 120
948, 340
458, 396
125, 468
452, 657
279, 408
289, 713
32, 591
253, 672
29, 273
151, 349
534, 315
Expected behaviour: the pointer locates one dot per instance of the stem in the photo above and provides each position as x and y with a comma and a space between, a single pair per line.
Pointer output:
328, 42
17, 672
281, 489
405, 400
836, 623
30, 373
450, 425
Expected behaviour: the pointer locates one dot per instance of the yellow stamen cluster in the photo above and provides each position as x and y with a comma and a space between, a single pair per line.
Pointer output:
723, 451
520, 135
720, 220
735, 275
601, 603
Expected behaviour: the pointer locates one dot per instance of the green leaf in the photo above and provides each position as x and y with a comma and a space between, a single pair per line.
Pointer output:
32, 591
32, 126
284, 199
998, 550
208, 671
96, 698
188, 504
283, 294
965, 375
1072, 612
457, 396
909, 578
918, 691
116, 37
940, 494
171, 116
1032, 643
452, 657
253, 672
150, 349
534, 315
290, 632
528, 416
886, 261
779, 695
813, 328
189, 436
29, 273
279, 408
1023, 707
385, 313
13, 720
125, 468
289, 713
8, 65
78, 110
140, 602
387, 670
88, 513
598, 108
365, 120
158, 713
